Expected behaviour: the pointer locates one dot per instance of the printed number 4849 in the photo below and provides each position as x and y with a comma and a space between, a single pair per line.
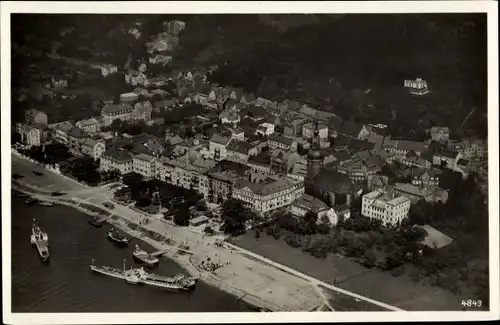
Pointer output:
472, 303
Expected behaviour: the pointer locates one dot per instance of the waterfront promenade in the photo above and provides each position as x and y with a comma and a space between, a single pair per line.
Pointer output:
249, 276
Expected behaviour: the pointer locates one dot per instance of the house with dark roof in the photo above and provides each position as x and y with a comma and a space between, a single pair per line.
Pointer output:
353, 130
240, 151
111, 112
425, 176
278, 141
92, 148
222, 178
117, 159
217, 146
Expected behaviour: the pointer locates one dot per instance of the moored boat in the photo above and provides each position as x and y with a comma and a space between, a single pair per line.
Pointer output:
41, 240
117, 237
145, 257
139, 276
46, 204
96, 222
31, 201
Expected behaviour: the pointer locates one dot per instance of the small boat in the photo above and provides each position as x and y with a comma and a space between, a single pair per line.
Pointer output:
145, 257
117, 237
40, 239
46, 204
31, 201
96, 222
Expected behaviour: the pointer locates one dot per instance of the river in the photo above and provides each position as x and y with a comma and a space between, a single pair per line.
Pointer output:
66, 284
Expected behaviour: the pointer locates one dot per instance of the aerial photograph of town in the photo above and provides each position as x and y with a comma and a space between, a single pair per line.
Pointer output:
249, 163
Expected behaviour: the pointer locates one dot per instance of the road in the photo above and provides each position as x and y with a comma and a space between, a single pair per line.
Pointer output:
243, 272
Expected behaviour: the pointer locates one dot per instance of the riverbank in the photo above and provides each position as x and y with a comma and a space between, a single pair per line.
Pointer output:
186, 262
261, 282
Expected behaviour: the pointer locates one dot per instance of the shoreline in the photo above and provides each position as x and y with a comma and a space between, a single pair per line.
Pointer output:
259, 282
186, 264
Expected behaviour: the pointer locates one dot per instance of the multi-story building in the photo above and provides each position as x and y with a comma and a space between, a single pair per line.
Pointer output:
142, 111
145, 165
117, 159
276, 141
308, 130
470, 149
60, 131
217, 146
402, 147
34, 116
222, 178
93, 148
265, 129
75, 137
270, 194
90, 125
307, 203
428, 177
240, 151
440, 134
294, 129
421, 192
386, 207
32, 135
411, 159
113, 112
187, 174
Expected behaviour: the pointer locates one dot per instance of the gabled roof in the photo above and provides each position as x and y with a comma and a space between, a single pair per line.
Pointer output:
281, 139
116, 154
351, 129
217, 138
115, 108
269, 186
144, 157
77, 133
335, 123
310, 203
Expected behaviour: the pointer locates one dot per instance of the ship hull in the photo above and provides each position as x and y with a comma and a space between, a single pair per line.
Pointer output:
121, 242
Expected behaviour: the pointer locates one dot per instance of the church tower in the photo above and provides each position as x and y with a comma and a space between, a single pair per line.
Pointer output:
315, 157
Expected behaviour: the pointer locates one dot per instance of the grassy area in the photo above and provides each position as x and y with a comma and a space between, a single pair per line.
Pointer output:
373, 283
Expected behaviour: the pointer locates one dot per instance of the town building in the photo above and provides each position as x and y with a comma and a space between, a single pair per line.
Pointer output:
440, 134
265, 129
34, 116
111, 112
92, 148
277, 141
294, 129
59, 131
32, 135
308, 131
268, 195
386, 207
402, 147
306, 203
90, 125
428, 177
117, 159
476, 149
222, 178
239, 151
421, 192
144, 165
417, 86
142, 111
327, 184
353, 130
217, 146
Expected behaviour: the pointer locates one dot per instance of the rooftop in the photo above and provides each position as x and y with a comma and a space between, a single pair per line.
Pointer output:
239, 146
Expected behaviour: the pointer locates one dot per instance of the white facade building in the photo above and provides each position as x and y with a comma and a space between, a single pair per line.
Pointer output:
269, 195
384, 206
